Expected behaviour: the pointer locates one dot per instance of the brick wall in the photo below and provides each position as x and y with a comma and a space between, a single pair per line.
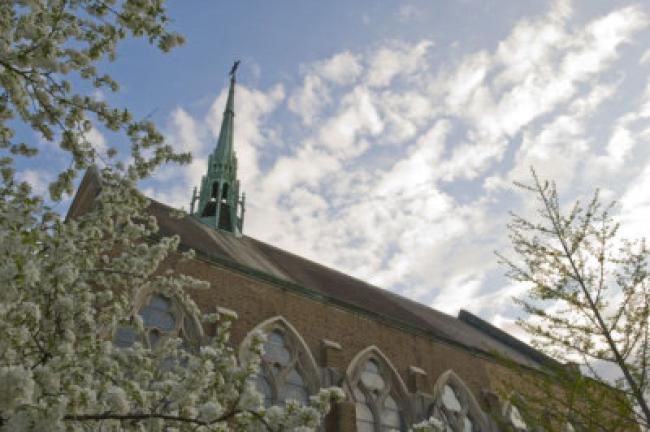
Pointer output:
255, 301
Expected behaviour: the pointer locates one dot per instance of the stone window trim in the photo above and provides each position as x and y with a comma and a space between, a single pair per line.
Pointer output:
469, 405
572, 422
515, 414
186, 324
568, 427
303, 361
418, 380
396, 387
513, 417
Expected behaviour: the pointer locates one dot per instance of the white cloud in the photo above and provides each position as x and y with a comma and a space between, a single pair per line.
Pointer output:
533, 45
389, 62
187, 138
97, 140
597, 46
536, 68
400, 177
342, 68
39, 180
308, 101
463, 82
416, 167
404, 114
468, 160
625, 135
645, 57
99, 95
620, 143
635, 207
358, 115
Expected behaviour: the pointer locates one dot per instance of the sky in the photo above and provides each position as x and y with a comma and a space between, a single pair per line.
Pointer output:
382, 138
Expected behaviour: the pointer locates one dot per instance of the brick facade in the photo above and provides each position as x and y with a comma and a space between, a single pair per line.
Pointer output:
335, 335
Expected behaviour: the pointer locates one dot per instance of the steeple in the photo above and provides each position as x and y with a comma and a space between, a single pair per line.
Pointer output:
225, 150
219, 202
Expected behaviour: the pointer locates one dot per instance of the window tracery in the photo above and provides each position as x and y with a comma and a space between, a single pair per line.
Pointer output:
377, 392
287, 371
456, 407
162, 318
514, 418
568, 427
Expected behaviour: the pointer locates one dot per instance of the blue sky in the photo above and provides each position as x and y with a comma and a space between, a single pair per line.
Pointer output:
382, 137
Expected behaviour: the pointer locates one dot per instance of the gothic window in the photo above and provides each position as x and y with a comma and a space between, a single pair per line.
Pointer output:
568, 427
514, 418
456, 407
162, 318
215, 190
287, 371
210, 209
377, 392
224, 193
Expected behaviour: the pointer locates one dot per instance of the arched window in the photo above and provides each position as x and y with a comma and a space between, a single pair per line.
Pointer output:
162, 318
288, 370
215, 190
568, 427
224, 193
514, 418
455, 405
378, 393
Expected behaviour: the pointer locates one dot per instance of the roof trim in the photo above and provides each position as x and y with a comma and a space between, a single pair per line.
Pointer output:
505, 338
87, 191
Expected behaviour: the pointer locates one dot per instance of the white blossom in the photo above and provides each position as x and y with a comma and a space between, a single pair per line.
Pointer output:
117, 400
210, 411
431, 425
17, 386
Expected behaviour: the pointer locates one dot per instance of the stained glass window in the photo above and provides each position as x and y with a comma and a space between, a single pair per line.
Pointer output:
516, 420
263, 386
281, 378
161, 318
455, 406
376, 408
455, 413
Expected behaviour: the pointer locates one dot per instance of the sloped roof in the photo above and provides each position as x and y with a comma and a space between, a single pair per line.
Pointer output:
279, 266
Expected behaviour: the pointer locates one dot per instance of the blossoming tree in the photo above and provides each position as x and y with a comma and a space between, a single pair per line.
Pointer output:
68, 285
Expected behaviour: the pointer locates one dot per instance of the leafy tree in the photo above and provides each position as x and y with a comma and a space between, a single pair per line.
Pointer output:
588, 304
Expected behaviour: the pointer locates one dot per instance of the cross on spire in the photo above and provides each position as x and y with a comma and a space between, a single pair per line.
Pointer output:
233, 70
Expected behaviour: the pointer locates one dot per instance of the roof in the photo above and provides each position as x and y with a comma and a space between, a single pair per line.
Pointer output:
281, 267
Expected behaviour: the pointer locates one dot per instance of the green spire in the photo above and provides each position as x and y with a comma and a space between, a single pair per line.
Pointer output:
224, 152
220, 204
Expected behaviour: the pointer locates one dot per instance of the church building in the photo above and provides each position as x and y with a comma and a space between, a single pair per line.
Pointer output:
398, 361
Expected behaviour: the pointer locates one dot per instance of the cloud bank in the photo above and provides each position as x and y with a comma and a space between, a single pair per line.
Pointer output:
396, 166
